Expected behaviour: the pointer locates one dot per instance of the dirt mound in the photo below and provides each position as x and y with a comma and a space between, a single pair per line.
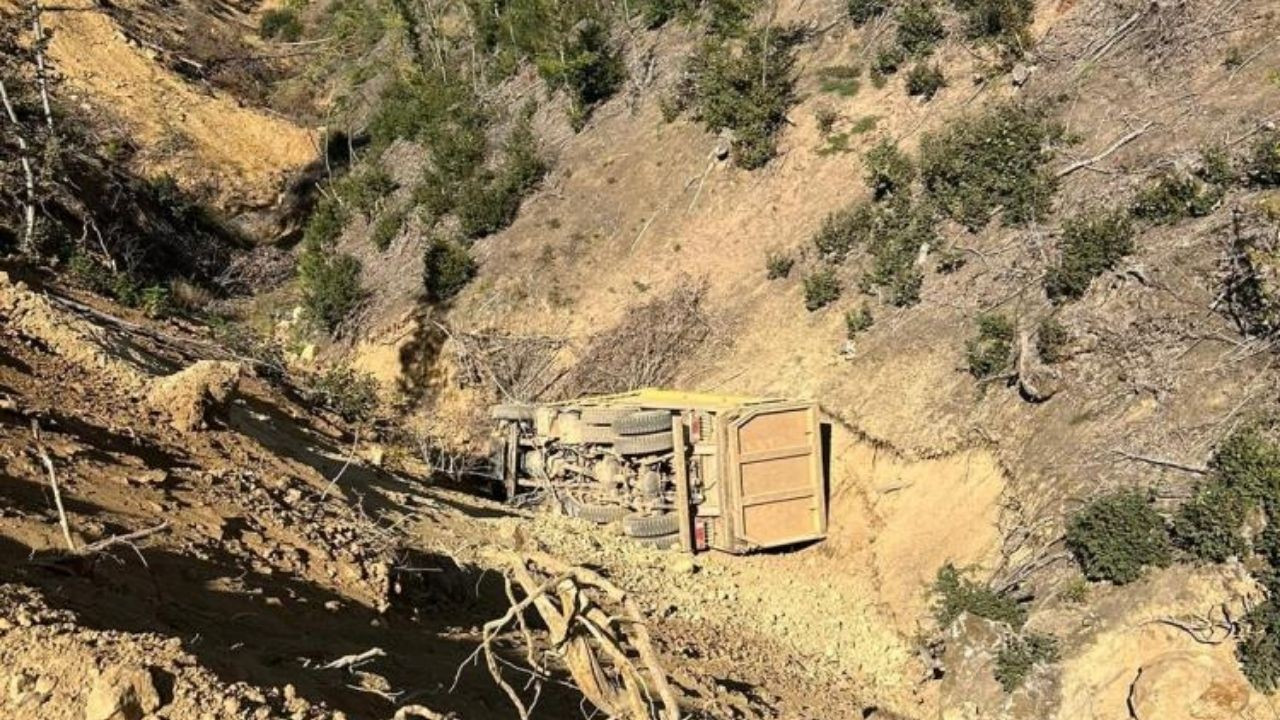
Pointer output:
92, 347
189, 397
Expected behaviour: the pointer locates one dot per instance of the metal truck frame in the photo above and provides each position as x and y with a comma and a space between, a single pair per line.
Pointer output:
675, 469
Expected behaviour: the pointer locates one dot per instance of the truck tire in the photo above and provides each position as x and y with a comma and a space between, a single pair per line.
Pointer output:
603, 415
598, 514
659, 542
644, 444
643, 422
647, 526
511, 412
598, 435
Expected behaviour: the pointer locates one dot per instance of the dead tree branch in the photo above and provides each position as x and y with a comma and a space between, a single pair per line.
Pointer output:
53, 482
594, 626
1125, 140
1161, 462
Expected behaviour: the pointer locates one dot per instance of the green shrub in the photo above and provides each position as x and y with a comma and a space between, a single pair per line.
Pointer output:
821, 288
587, 66
330, 283
447, 268
363, 190
387, 228
1051, 340
1092, 243
1263, 166
155, 301
1005, 21
955, 594
1259, 646
280, 24
887, 62
919, 27
925, 80
990, 352
1216, 167
1248, 462
1020, 655
1209, 524
656, 13
778, 264
826, 118
979, 164
1173, 196
888, 169
892, 231
729, 18
864, 124
841, 80
845, 229
1114, 537
860, 11
858, 320
902, 227
352, 395
746, 87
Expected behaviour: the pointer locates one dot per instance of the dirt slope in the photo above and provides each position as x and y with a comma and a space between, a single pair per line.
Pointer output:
238, 157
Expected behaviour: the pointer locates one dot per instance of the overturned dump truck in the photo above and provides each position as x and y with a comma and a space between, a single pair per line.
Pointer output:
673, 469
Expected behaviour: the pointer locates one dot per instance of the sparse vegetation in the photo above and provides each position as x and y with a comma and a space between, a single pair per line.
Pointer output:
925, 80
280, 24
1004, 21
858, 320
1263, 166
1020, 654
861, 11
842, 80
778, 264
1092, 243
887, 62
1116, 536
955, 594
990, 352
992, 161
1172, 196
826, 118
888, 169
1051, 340
919, 27
844, 230
351, 394
821, 288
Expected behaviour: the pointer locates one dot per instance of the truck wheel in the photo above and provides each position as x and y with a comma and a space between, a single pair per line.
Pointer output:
644, 444
603, 415
511, 412
598, 435
660, 542
648, 526
598, 514
643, 422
